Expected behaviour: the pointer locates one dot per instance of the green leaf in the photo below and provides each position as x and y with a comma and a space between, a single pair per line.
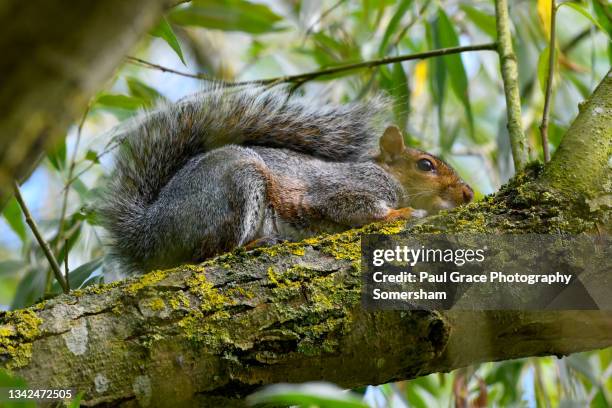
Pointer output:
11, 266
81, 189
76, 402
92, 156
416, 396
30, 288
401, 96
583, 88
228, 15
602, 12
14, 217
485, 22
392, 27
165, 32
143, 91
57, 155
320, 395
437, 68
584, 12
78, 277
543, 67
459, 82
118, 101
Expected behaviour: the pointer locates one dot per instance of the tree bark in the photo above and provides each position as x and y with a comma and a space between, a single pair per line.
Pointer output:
213, 333
55, 56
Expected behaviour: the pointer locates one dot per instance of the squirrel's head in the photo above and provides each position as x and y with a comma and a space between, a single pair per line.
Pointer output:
429, 183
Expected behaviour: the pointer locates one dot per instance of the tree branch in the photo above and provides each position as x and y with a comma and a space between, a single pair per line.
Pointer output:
208, 335
509, 71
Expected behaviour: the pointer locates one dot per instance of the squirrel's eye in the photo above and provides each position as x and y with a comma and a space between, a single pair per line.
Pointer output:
425, 165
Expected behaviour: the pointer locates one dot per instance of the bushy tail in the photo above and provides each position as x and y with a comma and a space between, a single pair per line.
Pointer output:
156, 145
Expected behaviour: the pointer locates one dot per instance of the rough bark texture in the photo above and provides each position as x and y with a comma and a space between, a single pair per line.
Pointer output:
210, 334
55, 56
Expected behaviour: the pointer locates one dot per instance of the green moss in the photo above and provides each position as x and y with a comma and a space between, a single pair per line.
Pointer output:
17, 331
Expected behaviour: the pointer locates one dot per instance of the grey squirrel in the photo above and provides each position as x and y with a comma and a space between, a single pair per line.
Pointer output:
233, 167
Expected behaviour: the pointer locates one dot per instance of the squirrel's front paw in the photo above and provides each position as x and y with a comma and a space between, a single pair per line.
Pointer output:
404, 214
262, 242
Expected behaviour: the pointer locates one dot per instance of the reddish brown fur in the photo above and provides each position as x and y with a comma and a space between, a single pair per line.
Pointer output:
427, 190
432, 190
287, 196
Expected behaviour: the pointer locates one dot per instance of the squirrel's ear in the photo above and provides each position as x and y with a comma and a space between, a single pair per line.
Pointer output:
391, 143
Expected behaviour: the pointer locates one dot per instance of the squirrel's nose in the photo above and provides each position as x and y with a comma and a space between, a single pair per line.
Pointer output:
468, 193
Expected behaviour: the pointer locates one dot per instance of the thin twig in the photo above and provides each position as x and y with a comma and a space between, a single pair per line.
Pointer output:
41, 241
328, 71
509, 71
549, 83
147, 64
66, 271
68, 183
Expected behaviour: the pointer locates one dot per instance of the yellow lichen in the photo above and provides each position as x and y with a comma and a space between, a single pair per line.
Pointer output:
272, 276
156, 304
179, 300
18, 330
147, 280
298, 251
212, 299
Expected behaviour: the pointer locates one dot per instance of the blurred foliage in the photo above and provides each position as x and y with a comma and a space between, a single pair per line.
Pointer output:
452, 106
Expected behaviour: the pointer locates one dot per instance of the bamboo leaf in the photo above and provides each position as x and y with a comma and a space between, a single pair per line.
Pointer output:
485, 22
401, 9
543, 67
228, 15
165, 32
456, 71
57, 155
401, 96
143, 91
79, 277
437, 78
602, 13
584, 12
119, 101
14, 217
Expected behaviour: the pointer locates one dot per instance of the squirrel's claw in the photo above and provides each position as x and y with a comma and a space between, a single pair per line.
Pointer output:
404, 214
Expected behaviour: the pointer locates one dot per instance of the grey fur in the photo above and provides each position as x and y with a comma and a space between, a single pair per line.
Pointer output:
192, 179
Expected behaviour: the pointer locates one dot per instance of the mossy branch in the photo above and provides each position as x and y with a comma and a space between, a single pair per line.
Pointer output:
208, 335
